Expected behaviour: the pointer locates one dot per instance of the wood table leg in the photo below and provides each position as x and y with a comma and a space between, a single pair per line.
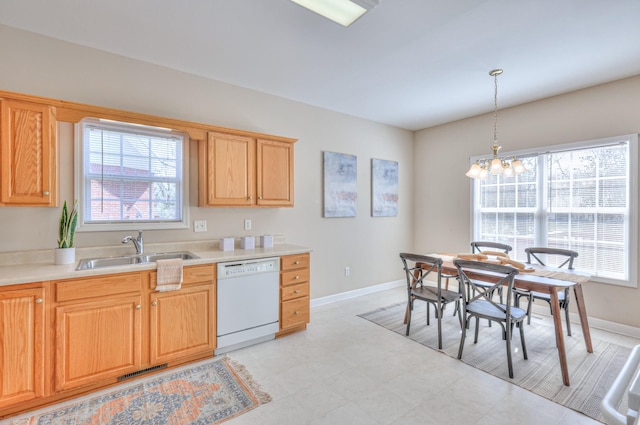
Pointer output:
582, 312
557, 324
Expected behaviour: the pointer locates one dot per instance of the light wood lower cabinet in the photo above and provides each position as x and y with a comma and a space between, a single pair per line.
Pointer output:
98, 329
182, 322
22, 346
97, 340
294, 293
114, 325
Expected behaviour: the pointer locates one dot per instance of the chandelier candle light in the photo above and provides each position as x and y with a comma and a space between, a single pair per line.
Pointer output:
496, 165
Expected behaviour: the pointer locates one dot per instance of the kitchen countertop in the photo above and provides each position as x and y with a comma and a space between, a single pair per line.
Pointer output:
29, 272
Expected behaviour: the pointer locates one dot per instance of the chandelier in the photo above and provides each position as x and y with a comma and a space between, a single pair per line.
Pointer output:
507, 167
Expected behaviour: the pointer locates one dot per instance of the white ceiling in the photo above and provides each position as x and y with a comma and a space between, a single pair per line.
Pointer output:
407, 63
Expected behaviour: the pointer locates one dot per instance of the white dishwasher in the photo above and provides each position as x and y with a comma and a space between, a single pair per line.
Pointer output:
248, 299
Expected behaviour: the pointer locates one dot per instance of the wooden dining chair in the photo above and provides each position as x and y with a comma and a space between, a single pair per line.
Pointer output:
555, 257
481, 304
417, 268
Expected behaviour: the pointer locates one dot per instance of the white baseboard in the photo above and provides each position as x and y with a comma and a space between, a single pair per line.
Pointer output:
605, 325
329, 299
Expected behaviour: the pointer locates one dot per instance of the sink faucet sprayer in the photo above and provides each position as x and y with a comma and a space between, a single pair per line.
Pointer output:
137, 242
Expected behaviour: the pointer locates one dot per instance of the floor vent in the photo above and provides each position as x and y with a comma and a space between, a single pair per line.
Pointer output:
141, 372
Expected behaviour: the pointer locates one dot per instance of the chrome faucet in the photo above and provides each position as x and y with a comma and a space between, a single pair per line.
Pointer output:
137, 242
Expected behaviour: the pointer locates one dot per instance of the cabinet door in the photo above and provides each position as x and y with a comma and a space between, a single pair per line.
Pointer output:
21, 346
274, 173
182, 323
229, 170
28, 153
97, 340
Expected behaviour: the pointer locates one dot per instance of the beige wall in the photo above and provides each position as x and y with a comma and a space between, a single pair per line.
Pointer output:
45, 67
442, 210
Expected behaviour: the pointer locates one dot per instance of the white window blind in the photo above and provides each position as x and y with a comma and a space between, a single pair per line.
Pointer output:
131, 174
581, 197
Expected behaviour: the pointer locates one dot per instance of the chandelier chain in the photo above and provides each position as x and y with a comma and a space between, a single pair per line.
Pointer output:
495, 108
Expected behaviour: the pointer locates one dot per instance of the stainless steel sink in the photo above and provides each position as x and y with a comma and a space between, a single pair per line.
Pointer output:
126, 260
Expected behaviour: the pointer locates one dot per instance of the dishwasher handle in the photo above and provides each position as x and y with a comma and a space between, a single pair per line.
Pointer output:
614, 396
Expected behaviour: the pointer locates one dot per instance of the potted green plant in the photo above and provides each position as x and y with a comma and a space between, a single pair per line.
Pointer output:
66, 252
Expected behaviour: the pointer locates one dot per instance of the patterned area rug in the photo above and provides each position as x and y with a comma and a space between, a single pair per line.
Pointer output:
591, 375
208, 392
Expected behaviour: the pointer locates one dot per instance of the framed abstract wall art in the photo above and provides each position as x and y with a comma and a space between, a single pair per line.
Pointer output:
384, 188
340, 185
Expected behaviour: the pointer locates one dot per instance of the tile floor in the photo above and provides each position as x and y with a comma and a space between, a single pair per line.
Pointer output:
344, 370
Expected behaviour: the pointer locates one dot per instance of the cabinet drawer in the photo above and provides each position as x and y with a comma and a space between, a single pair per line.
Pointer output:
191, 274
295, 291
295, 276
93, 287
294, 312
291, 262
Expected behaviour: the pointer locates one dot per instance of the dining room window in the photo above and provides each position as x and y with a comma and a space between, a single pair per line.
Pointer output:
130, 177
580, 196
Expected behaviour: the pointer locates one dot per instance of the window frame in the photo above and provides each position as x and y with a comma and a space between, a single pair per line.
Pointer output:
631, 244
80, 178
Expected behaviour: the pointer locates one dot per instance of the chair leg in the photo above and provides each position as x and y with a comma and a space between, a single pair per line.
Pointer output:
475, 339
463, 335
509, 362
439, 329
524, 346
529, 305
566, 310
408, 315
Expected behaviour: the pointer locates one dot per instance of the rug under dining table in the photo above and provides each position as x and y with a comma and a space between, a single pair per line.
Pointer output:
591, 374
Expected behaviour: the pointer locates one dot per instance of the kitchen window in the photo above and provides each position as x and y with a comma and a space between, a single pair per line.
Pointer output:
130, 177
581, 196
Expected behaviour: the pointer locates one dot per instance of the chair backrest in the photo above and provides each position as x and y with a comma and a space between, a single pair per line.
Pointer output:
564, 257
479, 246
498, 275
417, 267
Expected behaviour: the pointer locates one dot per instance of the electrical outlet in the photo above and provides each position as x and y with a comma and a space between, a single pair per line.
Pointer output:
347, 271
200, 225
247, 224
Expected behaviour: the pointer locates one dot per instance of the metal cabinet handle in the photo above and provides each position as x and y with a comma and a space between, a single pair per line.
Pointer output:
297, 262
296, 291
250, 198
260, 197
138, 307
45, 193
297, 277
155, 303
297, 312
38, 300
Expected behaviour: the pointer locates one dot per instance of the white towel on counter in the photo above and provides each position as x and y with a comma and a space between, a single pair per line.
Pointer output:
169, 275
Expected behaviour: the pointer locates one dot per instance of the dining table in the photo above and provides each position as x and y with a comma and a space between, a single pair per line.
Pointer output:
548, 280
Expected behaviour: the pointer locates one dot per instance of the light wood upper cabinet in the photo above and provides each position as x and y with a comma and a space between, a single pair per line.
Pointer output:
22, 346
237, 170
275, 173
227, 171
27, 153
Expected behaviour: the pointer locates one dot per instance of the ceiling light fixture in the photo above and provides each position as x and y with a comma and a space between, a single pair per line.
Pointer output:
344, 12
496, 165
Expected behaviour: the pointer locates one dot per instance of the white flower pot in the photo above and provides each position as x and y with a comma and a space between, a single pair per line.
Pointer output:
64, 255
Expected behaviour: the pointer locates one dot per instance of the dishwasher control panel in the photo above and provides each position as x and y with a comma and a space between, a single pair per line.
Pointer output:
248, 267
